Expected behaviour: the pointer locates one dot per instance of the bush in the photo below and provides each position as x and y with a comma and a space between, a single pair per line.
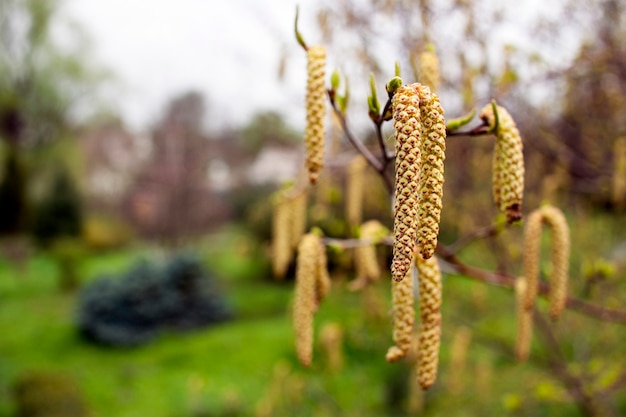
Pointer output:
136, 307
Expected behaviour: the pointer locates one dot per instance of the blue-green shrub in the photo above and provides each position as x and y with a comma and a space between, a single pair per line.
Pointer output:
134, 308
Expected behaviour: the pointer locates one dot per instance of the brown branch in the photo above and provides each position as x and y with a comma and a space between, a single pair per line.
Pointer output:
379, 166
501, 279
482, 233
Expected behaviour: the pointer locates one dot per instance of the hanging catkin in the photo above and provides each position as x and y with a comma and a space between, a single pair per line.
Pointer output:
366, 261
355, 188
508, 162
281, 235
408, 133
402, 299
430, 313
524, 320
555, 219
431, 179
532, 246
312, 284
297, 212
315, 111
429, 71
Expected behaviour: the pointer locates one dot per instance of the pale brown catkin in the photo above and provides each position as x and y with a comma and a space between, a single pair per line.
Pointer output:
298, 217
429, 70
355, 189
281, 235
312, 284
366, 261
524, 320
430, 326
315, 111
508, 163
555, 219
408, 135
532, 246
403, 318
431, 177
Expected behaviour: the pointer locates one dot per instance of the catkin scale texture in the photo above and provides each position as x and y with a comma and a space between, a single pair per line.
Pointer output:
431, 181
315, 111
508, 163
408, 134
430, 314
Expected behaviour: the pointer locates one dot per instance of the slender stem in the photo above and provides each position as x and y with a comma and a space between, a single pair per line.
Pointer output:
379, 166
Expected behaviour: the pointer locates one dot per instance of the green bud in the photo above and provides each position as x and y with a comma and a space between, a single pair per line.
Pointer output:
393, 85
496, 125
299, 37
335, 80
397, 69
459, 122
372, 100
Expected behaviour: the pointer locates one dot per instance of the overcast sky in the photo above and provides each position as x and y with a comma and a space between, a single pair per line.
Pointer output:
228, 50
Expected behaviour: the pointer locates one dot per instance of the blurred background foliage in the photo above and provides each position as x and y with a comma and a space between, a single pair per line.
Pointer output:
83, 197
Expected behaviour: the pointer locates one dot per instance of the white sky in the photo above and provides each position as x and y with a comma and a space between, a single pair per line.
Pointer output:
228, 50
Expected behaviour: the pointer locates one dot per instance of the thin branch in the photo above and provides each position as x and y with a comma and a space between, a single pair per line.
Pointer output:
360, 147
482, 233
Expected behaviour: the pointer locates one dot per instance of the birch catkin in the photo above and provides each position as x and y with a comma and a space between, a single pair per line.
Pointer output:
430, 314
403, 318
532, 246
431, 180
429, 71
524, 320
555, 219
355, 188
305, 297
408, 133
312, 284
281, 235
298, 217
365, 258
315, 111
508, 162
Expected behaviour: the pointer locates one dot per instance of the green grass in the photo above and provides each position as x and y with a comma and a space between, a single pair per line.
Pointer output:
234, 367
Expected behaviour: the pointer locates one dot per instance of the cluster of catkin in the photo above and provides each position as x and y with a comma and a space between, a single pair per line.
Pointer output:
312, 285
365, 259
315, 111
420, 151
508, 161
527, 287
288, 226
355, 190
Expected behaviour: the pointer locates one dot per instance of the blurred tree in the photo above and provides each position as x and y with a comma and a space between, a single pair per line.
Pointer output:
13, 203
266, 129
59, 213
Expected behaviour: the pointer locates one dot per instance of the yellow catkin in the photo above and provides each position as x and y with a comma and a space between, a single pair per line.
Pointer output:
355, 188
298, 218
431, 181
429, 70
366, 261
555, 219
331, 337
281, 236
307, 294
618, 183
322, 280
403, 318
408, 134
532, 246
458, 359
524, 320
315, 111
430, 326
508, 163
